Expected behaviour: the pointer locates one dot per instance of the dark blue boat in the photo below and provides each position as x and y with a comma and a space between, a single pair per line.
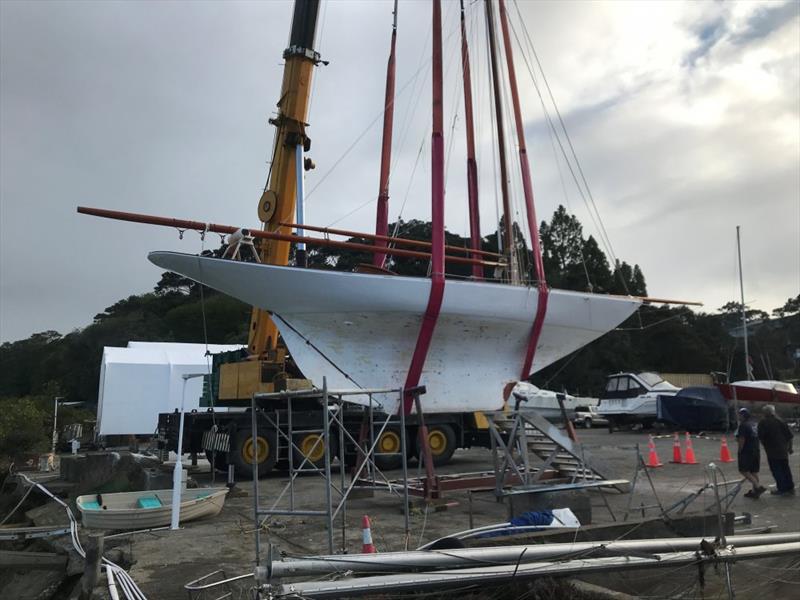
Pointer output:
694, 409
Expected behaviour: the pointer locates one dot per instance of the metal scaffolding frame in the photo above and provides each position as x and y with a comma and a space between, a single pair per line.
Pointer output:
365, 475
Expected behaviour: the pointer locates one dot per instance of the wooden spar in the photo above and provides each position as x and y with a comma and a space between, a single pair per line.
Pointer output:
268, 235
393, 240
530, 209
648, 300
227, 229
508, 234
382, 216
472, 164
437, 217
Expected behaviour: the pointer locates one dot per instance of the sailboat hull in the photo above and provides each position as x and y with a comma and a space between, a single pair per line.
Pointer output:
361, 329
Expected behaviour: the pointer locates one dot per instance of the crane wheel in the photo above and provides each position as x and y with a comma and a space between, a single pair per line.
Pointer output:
387, 450
442, 441
311, 446
246, 452
218, 459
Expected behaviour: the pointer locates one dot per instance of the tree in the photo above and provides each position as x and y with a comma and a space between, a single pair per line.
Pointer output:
791, 307
174, 283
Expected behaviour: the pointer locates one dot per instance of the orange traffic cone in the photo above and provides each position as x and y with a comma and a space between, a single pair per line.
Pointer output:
724, 452
652, 459
367, 546
676, 450
690, 459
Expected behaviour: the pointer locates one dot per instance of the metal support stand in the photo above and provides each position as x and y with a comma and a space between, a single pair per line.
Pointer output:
723, 542
641, 467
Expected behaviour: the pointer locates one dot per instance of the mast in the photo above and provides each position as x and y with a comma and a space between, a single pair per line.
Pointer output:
437, 217
524, 163
508, 246
747, 369
382, 216
278, 203
530, 209
472, 165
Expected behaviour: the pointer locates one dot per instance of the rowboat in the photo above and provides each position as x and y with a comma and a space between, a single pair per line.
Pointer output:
149, 508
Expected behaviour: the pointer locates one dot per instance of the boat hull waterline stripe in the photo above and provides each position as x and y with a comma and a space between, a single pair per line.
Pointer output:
368, 324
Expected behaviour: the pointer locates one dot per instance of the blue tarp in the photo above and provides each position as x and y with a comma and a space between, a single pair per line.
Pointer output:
528, 519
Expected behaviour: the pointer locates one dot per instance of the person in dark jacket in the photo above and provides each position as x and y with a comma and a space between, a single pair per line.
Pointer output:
776, 437
749, 453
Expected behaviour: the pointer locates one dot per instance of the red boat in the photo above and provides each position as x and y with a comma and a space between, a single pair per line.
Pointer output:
755, 394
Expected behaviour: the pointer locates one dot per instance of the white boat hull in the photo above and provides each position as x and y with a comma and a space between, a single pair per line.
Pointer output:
361, 329
119, 510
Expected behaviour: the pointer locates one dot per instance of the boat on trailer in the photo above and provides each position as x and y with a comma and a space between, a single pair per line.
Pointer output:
147, 509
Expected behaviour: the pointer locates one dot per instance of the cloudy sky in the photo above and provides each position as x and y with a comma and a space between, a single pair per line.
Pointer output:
685, 118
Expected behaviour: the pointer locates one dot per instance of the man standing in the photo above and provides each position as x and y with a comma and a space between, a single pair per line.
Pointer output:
776, 438
749, 453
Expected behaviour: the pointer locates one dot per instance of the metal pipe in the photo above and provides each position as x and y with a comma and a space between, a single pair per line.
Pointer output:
404, 465
488, 575
300, 178
267, 235
491, 556
256, 511
326, 431
728, 580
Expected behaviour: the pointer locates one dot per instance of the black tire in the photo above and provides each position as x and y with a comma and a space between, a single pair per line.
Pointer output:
587, 422
389, 443
312, 443
243, 452
218, 459
611, 425
442, 441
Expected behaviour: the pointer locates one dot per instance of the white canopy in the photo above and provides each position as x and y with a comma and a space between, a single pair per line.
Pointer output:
145, 379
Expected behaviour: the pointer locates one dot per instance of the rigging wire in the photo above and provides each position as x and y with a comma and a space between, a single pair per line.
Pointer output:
601, 227
360, 136
578, 176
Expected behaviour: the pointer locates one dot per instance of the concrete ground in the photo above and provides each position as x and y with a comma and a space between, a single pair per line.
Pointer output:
165, 561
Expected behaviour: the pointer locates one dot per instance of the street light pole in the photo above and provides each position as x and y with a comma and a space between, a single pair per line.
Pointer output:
55, 423
177, 473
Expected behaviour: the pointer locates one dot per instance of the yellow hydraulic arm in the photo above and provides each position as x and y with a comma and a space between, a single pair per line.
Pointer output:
278, 202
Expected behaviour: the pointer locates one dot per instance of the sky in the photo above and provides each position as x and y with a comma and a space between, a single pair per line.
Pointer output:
685, 117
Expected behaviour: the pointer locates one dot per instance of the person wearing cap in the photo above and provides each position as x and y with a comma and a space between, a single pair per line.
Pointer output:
776, 437
749, 453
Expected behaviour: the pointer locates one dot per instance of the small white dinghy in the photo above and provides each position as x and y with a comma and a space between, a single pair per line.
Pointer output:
149, 508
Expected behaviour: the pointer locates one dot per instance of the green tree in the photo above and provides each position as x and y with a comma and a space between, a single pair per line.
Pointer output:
791, 307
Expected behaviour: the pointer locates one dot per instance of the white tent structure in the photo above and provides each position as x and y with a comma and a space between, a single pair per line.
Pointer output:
145, 379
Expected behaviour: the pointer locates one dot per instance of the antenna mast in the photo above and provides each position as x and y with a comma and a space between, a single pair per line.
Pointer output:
747, 369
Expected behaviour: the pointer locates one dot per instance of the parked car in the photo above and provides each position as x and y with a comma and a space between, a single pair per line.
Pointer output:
587, 416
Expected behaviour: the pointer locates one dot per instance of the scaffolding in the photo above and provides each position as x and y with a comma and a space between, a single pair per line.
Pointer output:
365, 473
